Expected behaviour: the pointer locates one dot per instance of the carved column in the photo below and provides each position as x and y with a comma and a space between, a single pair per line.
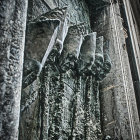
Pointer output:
118, 103
40, 39
12, 33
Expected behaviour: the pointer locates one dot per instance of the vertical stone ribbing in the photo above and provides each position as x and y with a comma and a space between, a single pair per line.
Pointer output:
78, 113
12, 37
97, 109
119, 116
51, 110
56, 107
44, 102
87, 108
59, 109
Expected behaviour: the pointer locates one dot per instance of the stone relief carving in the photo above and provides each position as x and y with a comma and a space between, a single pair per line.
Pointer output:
64, 62
87, 56
72, 45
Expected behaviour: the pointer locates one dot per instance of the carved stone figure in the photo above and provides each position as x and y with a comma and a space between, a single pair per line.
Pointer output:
87, 56
68, 62
74, 80
72, 46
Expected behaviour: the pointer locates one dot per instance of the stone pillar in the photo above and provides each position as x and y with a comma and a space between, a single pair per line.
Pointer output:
12, 38
118, 104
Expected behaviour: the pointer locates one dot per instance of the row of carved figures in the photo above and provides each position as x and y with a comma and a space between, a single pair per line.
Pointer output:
50, 39
69, 61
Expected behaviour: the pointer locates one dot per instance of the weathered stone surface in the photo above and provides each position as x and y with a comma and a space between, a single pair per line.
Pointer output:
12, 37
99, 59
107, 60
61, 14
40, 39
72, 46
64, 96
63, 100
37, 8
88, 53
119, 114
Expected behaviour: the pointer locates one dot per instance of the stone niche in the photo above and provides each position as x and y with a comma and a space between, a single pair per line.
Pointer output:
63, 65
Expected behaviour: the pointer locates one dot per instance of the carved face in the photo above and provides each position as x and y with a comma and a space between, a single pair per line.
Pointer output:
87, 66
56, 52
58, 46
69, 63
